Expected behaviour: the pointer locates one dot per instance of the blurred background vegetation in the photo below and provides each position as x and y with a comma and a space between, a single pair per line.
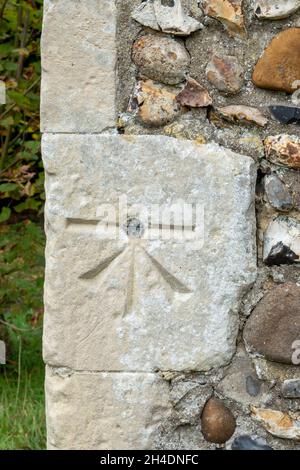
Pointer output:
22, 423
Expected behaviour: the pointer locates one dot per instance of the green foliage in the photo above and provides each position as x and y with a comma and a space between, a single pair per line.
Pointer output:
21, 286
5, 214
21, 171
22, 422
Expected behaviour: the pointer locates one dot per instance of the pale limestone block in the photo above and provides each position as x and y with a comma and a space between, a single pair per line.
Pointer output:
140, 304
78, 62
99, 411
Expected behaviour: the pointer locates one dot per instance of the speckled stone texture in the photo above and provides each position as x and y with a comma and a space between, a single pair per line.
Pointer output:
270, 72
103, 411
165, 304
274, 326
78, 62
161, 58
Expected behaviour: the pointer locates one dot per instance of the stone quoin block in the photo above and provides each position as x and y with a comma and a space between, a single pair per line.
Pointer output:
78, 63
105, 410
137, 303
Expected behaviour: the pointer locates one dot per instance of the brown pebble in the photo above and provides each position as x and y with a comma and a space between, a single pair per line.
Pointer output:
274, 325
162, 59
225, 73
157, 105
194, 95
283, 149
229, 13
217, 421
239, 114
279, 67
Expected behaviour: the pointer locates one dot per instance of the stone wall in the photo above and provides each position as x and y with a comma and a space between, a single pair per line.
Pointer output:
155, 342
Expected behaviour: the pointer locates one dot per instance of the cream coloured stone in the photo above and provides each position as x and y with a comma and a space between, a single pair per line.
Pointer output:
100, 411
284, 230
138, 304
278, 423
170, 19
174, 20
145, 15
78, 62
275, 9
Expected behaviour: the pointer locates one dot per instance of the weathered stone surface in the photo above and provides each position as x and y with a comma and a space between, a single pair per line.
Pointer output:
155, 103
173, 19
291, 179
277, 423
194, 95
253, 386
274, 324
78, 61
285, 114
166, 18
136, 303
228, 12
274, 371
291, 388
275, 9
279, 66
105, 410
249, 443
217, 422
283, 149
145, 15
278, 195
188, 399
235, 385
225, 73
243, 114
282, 241
162, 59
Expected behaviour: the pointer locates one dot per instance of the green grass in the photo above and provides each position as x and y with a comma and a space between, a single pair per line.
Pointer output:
22, 420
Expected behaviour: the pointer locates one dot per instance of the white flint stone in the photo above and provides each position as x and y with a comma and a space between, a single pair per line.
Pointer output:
282, 229
174, 20
169, 19
78, 62
275, 9
145, 15
291, 388
139, 304
103, 411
